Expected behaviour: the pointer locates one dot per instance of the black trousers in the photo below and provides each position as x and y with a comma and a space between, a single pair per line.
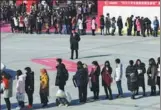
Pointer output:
120, 31
108, 88
30, 98
143, 87
61, 87
21, 104
72, 53
82, 93
8, 104
44, 98
107, 30
113, 31
138, 33
153, 90
93, 32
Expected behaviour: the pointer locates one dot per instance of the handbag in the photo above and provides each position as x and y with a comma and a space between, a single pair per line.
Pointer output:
90, 83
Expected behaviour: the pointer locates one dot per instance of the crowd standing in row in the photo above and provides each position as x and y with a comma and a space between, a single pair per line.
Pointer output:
135, 74
63, 20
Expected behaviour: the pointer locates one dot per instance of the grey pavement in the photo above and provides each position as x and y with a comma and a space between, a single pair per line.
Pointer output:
17, 51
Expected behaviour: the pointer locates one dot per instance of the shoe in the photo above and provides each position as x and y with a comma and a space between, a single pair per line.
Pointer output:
44, 105
71, 58
29, 106
60, 105
18, 108
66, 105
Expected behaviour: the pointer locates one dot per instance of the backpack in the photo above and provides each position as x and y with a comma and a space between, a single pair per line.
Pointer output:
66, 74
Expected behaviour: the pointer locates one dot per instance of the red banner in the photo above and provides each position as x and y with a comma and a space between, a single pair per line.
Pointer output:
132, 3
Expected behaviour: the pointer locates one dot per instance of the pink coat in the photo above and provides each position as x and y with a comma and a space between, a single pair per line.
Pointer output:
138, 25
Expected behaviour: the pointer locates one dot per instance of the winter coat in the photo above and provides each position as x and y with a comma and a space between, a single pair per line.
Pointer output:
74, 41
138, 25
6, 86
20, 87
141, 70
29, 83
93, 25
102, 23
61, 77
108, 22
81, 77
118, 72
44, 84
106, 76
80, 24
156, 24
152, 75
95, 78
132, 78
119, 23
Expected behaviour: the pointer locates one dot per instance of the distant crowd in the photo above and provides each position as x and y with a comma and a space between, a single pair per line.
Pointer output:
83, 78
62, 20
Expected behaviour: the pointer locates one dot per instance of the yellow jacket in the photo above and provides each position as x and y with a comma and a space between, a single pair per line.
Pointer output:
44, 80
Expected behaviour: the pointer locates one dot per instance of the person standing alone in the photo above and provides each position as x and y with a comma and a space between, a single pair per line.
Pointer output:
74, 43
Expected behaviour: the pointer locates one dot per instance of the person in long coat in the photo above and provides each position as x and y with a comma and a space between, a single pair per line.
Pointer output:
6, 88
132, 78
29, 85
93, 26
107, 79
44, 87
74, 43
95, 79
62, 75
152, 76
138, 25
102, 24
140, 67
108, 24
158, 75
120, 25
81, 78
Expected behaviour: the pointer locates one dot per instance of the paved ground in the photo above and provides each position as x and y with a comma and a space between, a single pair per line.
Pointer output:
18, 51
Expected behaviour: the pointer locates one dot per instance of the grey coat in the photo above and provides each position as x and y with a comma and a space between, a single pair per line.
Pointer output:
152, 75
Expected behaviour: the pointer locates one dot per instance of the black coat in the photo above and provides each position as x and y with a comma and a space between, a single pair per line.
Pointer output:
102, 23
132, 78
29, 82
141, 80
119, 23
61, 75
152, 75
74, 41
81, 77
95, 79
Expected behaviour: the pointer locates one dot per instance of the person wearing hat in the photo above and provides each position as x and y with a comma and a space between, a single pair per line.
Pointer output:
74, 43
29, 85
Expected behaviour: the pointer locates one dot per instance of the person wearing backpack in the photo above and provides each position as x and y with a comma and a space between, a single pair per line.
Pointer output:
81, 79
62, 75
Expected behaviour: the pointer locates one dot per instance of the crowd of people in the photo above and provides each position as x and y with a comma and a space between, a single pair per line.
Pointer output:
62, 20
135, 74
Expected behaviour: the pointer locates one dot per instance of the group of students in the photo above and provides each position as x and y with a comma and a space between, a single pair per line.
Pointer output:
82, 78
139, 25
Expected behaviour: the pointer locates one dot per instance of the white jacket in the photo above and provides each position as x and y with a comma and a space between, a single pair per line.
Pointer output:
118, 72
80, 24
20, 87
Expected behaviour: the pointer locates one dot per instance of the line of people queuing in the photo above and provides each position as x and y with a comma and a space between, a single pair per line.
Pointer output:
135, 26
135, 74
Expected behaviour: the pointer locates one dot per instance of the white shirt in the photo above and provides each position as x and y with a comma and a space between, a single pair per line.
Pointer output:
118, 72
15, 21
